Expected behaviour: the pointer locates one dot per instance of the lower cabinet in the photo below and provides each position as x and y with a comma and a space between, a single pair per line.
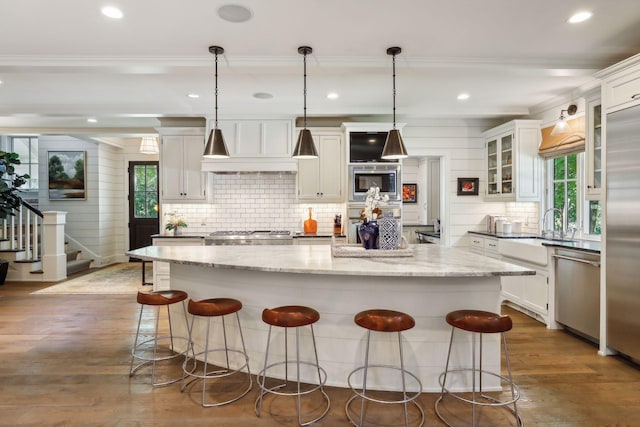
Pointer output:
161, 270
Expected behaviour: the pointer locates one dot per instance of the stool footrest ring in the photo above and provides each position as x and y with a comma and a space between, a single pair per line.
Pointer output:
414, 395
516, 390
261, 379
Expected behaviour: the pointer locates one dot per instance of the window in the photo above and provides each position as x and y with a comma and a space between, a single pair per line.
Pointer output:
565, 194
27, 148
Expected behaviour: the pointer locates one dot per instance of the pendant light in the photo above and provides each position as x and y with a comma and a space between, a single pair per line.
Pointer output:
216, 148
394, 147
305, 148
562, 126
149, 145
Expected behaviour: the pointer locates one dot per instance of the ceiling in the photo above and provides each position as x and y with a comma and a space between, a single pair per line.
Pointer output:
62, 61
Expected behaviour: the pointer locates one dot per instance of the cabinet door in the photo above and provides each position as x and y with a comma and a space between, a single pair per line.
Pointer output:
331, 167
492, 167
593, 152
623, 91
535, 292
308, 181
193, 186
506, 187
171, 171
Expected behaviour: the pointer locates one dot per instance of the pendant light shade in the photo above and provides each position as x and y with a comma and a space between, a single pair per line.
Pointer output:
562, 126
305, 148
394, 146
216, 148
149, 145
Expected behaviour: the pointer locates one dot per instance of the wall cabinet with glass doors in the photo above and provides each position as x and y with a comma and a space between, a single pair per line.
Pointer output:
513, 165
593, 154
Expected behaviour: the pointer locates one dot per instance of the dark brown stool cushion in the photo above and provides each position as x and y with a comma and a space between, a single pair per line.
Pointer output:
479, 321
381, 320
290, 316
214, 307
161, 297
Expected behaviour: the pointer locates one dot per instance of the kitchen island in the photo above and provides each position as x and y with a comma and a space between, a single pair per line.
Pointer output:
427, 285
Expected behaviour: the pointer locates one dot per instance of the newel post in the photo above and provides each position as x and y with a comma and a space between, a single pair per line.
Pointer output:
54, 259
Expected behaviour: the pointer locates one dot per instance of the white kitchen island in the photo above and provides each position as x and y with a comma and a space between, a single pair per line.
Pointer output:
427, 285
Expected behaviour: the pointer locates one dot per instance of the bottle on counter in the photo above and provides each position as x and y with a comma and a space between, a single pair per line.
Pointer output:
337, 225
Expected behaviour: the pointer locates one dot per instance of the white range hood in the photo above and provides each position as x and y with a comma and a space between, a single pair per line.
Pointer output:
249, 164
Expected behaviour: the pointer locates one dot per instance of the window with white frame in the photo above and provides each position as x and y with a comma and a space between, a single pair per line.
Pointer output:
27, 148
566, 176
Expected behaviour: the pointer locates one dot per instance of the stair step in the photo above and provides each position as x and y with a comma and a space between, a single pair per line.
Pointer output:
37, 272
78, 265
27, 261
72, 255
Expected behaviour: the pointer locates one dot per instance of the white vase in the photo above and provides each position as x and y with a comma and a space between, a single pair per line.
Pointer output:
177, 231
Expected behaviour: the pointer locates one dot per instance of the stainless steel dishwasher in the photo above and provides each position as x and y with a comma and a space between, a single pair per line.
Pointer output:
577, 284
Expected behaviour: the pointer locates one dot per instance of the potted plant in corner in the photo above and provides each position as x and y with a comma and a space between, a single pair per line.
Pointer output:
9, 195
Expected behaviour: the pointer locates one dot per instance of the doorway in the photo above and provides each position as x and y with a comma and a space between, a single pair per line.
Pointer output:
143, 203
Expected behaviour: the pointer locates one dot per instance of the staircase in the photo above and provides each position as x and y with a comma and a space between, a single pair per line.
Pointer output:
76, 265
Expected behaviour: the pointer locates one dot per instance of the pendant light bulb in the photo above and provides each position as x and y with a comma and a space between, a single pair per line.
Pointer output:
305, 148
394, 146
216, 147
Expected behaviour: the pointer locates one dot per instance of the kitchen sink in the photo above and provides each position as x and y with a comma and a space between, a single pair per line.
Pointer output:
530, 250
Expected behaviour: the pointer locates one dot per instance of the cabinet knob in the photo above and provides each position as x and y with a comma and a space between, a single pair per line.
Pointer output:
636, 96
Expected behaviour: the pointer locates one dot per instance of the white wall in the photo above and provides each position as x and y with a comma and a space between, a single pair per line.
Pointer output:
110, 178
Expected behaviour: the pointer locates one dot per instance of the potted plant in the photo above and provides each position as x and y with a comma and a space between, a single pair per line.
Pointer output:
9, 194
175, 223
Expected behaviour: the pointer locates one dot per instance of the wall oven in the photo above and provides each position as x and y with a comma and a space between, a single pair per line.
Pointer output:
386, 177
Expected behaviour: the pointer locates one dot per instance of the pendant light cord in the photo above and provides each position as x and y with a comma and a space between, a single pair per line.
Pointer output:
305, 90
216, 91
394, 91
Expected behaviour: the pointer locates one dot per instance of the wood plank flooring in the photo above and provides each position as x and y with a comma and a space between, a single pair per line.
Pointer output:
64, 361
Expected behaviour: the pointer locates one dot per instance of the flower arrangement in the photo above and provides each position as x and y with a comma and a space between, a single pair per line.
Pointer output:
174, 222
372, 202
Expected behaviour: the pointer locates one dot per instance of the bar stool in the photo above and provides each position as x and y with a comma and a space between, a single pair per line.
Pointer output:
379, 320
210, 308
479, 323
292, 316
153, 354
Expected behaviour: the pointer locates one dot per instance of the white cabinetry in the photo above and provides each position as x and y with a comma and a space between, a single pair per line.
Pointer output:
257, 138
514, 169
323, 179
180, 166
484, 245
161, 270
593, 153
621, 85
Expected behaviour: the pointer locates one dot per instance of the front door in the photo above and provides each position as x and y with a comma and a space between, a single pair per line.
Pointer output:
143, 203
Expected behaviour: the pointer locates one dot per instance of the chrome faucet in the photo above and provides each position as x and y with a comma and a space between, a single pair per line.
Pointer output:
543, 232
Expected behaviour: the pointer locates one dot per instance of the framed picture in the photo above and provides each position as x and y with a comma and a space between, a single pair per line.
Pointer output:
468, 186
67, 175
409, 193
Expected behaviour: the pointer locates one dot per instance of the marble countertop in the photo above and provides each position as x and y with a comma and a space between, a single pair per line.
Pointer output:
584, 245
427, 261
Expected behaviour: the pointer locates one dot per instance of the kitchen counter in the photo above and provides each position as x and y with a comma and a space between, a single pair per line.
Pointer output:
583, 245
428, 285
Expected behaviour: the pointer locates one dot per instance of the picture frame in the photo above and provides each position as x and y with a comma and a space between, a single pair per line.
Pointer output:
409, 193
67, 175
468, 186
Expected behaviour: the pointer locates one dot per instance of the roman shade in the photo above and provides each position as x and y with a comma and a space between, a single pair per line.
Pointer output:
563, 144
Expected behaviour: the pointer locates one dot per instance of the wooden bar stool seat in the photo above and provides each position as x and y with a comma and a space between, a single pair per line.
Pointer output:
381, 320
478, 323
292, 316
150, 351
229, 361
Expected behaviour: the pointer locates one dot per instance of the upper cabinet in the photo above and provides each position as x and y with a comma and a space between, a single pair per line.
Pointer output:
322, 179
180, 171
513, 165
621, 85
593, 152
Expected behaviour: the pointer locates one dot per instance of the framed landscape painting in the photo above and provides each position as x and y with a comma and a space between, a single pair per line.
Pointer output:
67, 175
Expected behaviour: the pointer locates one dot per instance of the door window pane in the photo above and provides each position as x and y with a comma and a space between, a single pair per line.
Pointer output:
145, 199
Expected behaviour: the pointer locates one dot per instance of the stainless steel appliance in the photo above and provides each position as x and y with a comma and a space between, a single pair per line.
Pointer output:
623, 231
386, 177
258, 237
578, 291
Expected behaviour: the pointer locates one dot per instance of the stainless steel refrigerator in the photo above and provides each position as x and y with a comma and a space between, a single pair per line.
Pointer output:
623, 231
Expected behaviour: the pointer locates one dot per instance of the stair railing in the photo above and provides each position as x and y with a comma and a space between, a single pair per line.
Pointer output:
23, 231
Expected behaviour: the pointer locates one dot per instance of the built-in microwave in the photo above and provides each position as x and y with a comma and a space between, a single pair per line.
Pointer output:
386, 177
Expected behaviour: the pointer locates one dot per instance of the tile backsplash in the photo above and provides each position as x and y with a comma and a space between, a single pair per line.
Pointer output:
528, 213
255, 201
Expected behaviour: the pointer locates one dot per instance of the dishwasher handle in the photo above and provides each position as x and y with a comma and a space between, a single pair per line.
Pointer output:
584, 261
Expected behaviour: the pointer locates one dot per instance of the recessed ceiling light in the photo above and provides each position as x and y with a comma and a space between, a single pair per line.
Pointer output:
579, 17
92, 120
234, 13
193, 95
0, 82
262, 95
112, 12
463, 97
333, 95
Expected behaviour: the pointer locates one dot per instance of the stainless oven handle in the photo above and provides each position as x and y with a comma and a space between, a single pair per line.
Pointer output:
584, 261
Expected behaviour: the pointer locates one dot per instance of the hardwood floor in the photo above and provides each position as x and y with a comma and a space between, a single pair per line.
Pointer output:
65, 360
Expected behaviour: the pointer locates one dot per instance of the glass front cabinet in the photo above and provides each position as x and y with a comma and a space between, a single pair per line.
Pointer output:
594, 150
513, 165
